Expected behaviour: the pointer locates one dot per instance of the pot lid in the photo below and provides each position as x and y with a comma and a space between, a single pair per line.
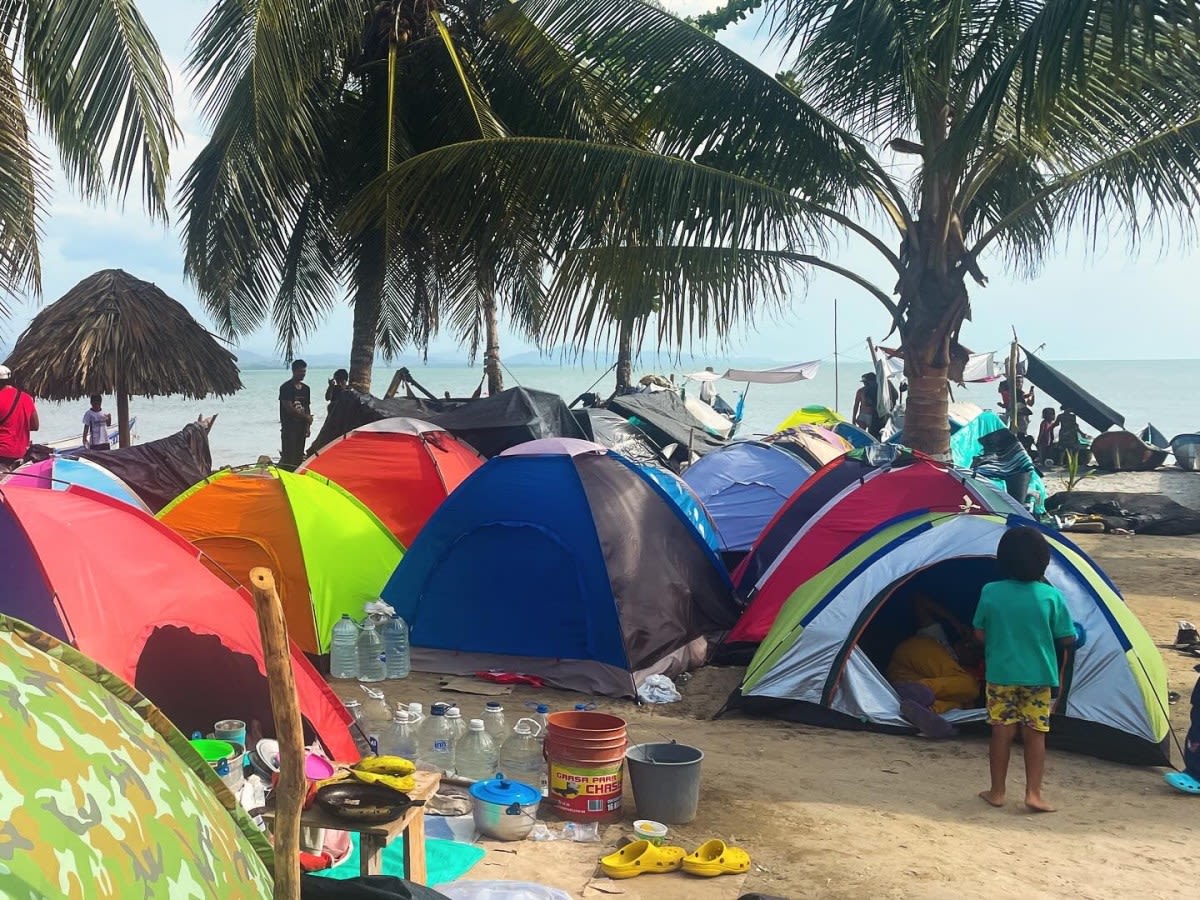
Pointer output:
501, 790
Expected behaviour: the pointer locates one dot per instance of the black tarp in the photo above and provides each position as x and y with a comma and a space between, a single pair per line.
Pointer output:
666, 420
159, 471
489, 424
608, 429
1140, 513
1070, 395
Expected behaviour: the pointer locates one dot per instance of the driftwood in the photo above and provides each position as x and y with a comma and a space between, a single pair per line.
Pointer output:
289, 731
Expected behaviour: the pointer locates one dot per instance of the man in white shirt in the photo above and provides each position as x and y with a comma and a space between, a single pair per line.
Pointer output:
96, 423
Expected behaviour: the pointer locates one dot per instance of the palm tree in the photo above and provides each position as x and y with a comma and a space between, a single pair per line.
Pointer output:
943, 135
93, 76
308, 111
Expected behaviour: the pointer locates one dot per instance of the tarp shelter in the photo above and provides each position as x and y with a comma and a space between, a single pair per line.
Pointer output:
665, 418
815, 444
489, 424
131, 594
159, 471
836, 507
59, 473
330, 554
1070, 395
604, 427
823, 660
742, 485
402, 469
559, 559
103, 797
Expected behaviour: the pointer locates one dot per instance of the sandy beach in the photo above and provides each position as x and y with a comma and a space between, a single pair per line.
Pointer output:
826, 813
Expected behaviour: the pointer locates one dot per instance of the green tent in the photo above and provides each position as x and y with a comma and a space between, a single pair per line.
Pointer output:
101, 797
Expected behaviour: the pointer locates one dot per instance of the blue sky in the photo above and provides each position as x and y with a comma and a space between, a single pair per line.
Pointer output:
1079, 306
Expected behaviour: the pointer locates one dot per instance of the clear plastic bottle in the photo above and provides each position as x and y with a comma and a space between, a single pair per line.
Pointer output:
343, 648
370, 652
395, 647
401, 739
416, 714
493, 722
521, 756
476, 756
455, 717
435, 747
541, 715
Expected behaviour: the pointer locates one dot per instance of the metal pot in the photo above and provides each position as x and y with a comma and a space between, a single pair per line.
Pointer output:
505, 810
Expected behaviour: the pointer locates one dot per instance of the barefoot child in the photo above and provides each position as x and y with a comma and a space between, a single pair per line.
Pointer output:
1021, 622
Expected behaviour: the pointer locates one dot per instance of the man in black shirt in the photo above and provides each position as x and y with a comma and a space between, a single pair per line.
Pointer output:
295, 416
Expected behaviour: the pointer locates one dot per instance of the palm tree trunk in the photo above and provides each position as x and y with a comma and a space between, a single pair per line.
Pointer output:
935, 313
624, 356
368, 293
491, 356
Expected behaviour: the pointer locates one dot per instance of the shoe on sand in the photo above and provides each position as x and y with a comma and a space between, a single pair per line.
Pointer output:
642, 858
930, 723
920, 694
713, 858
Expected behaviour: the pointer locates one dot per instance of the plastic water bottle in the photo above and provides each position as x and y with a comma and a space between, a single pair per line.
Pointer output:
521, 756
395, 647
400, 739
493, 722
455, 718
435, 746
476, 756
416, 714
542, 717
343, 648
370, 652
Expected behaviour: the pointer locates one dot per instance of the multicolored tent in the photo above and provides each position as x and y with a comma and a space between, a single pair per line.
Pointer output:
685, 498
559, 559
402, 469
815, 444
132, 595
823, 660
742, 485
102, 796
811, 415
836, 507
59, 473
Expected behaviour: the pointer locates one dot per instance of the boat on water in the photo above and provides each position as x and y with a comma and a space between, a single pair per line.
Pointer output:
68, 445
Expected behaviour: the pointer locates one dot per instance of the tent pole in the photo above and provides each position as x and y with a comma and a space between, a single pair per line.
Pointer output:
281, 687
836, 392
1014, 387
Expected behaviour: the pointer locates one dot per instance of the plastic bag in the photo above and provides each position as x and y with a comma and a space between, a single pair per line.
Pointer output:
658, 689
501, 890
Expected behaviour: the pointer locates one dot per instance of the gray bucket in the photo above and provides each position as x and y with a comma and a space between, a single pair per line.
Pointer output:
666, 781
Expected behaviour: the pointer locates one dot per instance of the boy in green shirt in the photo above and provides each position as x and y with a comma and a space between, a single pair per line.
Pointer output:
1021, 621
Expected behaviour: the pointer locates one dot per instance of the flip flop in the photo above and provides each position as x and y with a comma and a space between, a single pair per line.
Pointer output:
1182, 781
713, 858
927, 721
642, 858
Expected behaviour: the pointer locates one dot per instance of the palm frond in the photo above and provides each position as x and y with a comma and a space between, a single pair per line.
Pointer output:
308, 284
23, 183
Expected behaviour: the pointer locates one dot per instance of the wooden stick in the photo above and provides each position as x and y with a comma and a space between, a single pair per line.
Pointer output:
281, 685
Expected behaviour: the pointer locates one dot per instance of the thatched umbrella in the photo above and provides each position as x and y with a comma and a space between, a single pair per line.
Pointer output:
116, 334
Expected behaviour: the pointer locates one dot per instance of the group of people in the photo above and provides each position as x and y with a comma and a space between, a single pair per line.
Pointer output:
295, 411
19, 419
1012, 657
866, 413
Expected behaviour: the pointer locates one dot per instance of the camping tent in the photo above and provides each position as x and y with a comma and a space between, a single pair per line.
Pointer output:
833, 509
687, 500
331, 555
102, 796
815, 444
159, 470
823, 658
811, 415
59, 473
560, 559
400, 468
129, 593
742, 485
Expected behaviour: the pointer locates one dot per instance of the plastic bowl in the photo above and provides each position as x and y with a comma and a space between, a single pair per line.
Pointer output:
317, 768
648, 830
213, 751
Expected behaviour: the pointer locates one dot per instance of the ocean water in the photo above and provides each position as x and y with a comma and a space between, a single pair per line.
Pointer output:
1163, 392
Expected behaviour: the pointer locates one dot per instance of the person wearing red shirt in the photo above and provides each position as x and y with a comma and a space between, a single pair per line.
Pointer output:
18, 417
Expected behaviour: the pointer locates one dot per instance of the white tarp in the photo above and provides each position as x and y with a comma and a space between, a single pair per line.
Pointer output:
780, 375
980, 366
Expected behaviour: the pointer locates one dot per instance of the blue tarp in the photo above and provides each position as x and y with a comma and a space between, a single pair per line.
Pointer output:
965, 446
743, 485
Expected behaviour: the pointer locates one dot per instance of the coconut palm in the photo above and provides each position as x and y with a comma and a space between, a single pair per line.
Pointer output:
91, 74
308, 111
946, 135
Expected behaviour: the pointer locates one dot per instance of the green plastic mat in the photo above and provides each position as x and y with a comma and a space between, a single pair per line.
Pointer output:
444, 860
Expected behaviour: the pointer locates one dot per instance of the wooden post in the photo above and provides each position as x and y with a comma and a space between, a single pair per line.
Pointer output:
281, 686
1014, 389
123, 439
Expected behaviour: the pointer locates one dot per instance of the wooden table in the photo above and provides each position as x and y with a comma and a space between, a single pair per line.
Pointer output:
373, 838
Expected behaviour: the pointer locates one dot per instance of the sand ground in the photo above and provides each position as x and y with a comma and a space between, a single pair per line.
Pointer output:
826, 813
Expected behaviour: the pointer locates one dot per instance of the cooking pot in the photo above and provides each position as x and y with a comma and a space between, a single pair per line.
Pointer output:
505, 810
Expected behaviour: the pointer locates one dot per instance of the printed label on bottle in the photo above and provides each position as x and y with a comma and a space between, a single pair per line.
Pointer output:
441, 746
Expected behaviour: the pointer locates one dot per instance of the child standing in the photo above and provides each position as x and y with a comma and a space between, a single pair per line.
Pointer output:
1022, 621
96, 423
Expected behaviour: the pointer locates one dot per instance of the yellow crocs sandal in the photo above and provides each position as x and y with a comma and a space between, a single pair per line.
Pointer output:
713, 858
642, 857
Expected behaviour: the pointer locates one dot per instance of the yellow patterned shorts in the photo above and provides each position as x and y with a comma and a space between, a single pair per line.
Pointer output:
1018, 704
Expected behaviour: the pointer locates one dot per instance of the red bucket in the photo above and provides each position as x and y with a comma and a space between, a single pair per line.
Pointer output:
585, 751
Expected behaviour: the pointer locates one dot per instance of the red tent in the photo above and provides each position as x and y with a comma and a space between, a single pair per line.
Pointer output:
131, 594
402, 469
841, 502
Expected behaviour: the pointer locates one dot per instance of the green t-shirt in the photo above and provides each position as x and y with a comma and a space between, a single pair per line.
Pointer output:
1020, 621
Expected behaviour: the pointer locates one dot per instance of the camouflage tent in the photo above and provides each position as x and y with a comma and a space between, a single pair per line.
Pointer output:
100, 796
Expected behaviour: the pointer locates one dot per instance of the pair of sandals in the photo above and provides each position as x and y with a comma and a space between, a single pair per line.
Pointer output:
709, 860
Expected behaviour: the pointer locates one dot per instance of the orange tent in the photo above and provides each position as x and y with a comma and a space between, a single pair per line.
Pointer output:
331, 555
401, 468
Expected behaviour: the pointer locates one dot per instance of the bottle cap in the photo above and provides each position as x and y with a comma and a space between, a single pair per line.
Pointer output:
542, 709
415, 709
522, 727
453, 712
402, 716
476, 725
493, 706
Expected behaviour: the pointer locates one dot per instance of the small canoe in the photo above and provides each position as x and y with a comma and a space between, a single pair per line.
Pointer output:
1186, 448
68, 445
1124, 451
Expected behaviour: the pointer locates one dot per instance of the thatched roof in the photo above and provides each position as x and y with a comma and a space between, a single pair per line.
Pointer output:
115, 332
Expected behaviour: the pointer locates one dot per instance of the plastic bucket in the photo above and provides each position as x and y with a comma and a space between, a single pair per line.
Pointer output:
666, 781
584, 752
